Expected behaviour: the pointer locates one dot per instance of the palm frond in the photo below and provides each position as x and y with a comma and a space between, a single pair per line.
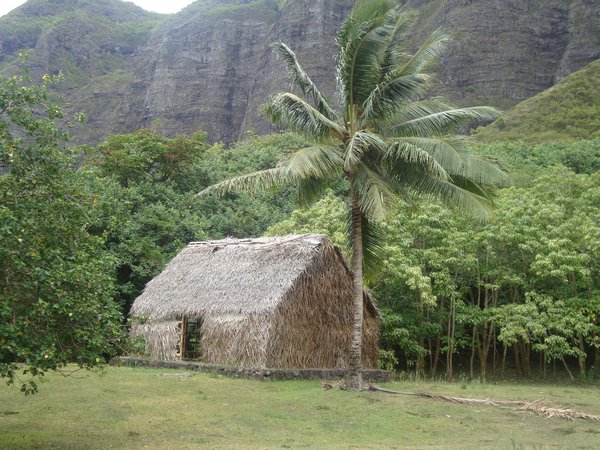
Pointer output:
485, 172
288, 110
364, 11
401, 23
442, 122
375, 192
367, 9
467, 198
361, 45
358, 145
406, 112
473, 187
357, 68
310, 190
300, 79
536, 407
452, 153
390, 95
400, 155
262, 180
426, 54
317, 161
373, 240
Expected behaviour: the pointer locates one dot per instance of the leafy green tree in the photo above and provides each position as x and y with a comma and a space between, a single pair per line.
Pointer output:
152, 212
387, 140
56, 279
327, 216
146, 156
151, 181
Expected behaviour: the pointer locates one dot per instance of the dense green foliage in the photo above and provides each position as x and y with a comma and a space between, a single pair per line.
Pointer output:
56, 283
512, 296
526, 282
152, 213
569, 110
526, 162
153, 210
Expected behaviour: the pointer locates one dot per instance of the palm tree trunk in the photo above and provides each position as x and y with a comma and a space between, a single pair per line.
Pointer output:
582, 359
354, 376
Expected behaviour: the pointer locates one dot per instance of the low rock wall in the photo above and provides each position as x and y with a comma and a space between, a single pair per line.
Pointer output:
370, 375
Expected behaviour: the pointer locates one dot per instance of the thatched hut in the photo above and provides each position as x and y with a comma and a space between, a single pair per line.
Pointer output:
267, 302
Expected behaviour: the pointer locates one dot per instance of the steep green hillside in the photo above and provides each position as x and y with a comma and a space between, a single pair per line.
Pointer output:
569, 110
82, 38
91, 42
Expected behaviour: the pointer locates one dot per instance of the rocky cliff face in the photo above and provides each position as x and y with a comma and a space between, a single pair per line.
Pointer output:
506, 51
210, 67
215, 73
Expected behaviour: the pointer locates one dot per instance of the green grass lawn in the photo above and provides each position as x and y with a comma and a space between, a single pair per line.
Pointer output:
158, 408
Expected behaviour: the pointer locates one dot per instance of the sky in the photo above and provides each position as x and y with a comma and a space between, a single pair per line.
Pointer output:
160, 6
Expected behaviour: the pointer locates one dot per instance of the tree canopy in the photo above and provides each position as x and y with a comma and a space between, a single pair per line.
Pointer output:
56, 284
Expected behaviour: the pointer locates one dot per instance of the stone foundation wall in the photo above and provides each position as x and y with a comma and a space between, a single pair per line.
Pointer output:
373, 376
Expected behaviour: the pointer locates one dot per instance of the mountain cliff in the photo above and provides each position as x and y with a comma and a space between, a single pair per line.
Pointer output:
211, 67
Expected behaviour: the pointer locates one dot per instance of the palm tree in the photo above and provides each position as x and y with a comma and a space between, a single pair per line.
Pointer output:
386, 138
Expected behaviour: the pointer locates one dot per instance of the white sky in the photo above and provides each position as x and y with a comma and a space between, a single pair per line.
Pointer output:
160, 6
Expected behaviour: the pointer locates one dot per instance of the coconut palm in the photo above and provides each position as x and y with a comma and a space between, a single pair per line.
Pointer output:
386, 138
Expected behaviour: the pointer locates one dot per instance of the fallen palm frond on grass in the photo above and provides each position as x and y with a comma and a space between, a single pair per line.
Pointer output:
551, 411
535, 407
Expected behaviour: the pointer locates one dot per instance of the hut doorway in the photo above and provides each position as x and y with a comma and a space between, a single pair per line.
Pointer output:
191, 338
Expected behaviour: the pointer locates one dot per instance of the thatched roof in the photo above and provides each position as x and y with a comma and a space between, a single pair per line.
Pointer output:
230, 277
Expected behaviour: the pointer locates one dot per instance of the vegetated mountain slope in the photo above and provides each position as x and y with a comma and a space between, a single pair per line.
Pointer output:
211, 67
568, 110
75, 35
91, 42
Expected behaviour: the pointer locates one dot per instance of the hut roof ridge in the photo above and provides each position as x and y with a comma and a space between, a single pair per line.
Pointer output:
313, 239
230, 276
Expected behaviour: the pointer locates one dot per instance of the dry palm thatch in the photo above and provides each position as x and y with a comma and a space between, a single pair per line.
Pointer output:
267, 302
553, 411
535, 407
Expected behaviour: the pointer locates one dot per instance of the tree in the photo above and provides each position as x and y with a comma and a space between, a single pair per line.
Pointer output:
327, 216
386, 140
152, 212
56, 278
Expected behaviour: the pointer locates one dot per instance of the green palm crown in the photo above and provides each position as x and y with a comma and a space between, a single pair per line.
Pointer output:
387, 138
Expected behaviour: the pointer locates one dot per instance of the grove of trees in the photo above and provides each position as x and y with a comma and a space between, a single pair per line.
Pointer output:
82, 230
517, 296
